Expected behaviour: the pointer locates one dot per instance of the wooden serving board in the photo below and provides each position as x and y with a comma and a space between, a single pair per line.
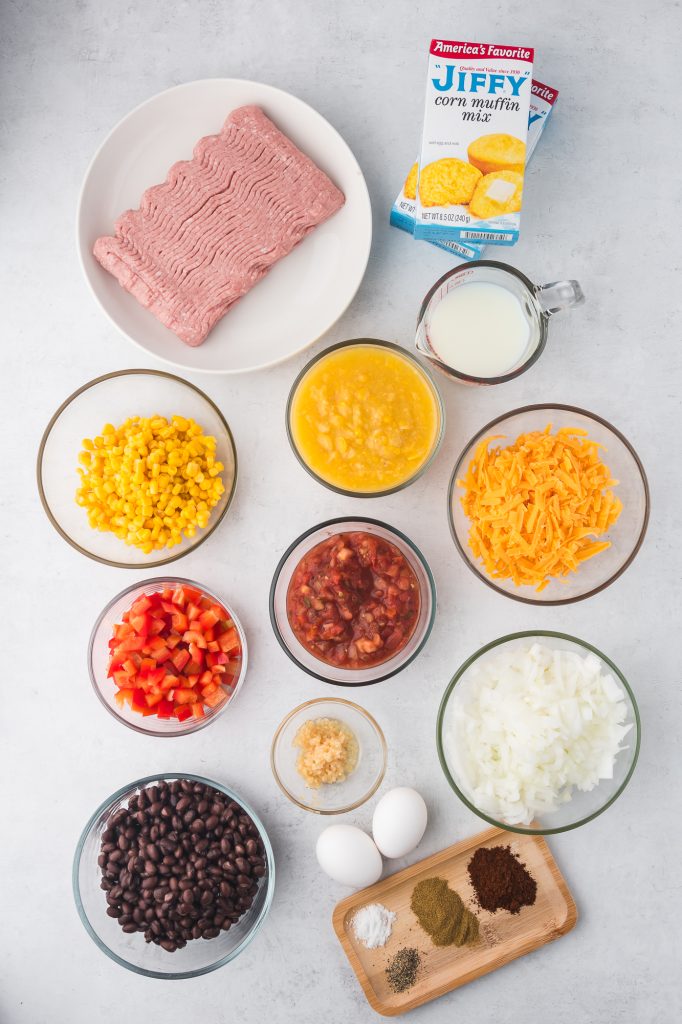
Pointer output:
503, 936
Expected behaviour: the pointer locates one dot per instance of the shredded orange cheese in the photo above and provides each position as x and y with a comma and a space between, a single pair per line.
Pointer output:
537, 507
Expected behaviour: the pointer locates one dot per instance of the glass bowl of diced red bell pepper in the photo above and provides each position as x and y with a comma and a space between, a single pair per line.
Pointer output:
167, 656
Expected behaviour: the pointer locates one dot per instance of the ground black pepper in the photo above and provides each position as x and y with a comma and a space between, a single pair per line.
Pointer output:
402, 969
500, 880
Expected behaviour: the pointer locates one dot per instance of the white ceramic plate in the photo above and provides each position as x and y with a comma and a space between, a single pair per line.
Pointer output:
301, 297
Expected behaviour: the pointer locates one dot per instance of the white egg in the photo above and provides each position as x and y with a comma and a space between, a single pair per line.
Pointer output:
399, 822
348, 855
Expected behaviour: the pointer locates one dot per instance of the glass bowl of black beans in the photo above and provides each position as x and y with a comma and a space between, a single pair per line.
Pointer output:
173, 876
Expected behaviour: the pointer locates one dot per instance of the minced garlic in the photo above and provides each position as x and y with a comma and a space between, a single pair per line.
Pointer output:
329, 751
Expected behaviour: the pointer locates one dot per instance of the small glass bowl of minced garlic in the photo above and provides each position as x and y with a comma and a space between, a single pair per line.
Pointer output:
328, 756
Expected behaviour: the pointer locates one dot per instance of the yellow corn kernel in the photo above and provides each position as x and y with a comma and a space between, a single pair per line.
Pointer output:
150, 481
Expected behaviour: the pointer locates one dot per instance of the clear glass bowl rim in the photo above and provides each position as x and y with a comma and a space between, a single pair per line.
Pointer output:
444, 703
335, 522
479, 436
255, 927
197, 723
39, 470
365, 714
438, 398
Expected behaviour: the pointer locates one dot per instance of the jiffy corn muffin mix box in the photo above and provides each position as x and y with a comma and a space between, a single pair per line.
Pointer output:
542, 101
473, 151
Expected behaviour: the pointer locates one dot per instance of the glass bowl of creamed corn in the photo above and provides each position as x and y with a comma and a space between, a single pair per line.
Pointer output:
137, 468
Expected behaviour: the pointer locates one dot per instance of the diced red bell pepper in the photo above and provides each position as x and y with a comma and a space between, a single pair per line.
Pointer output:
164, 709
208, 619
193, 611
170, 652
183, 695
131, 643
216, 659
154, 677
229, 640
122, 630
179, 622
140, 703
197, 654
216, 698
180, 658
193, 636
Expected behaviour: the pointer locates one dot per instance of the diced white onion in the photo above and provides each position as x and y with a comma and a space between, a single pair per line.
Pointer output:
528, 726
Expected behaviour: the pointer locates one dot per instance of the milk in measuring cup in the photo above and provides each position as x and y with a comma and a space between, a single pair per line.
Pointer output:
479, 329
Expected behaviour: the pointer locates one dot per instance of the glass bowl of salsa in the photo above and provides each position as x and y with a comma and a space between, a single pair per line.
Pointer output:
352, 601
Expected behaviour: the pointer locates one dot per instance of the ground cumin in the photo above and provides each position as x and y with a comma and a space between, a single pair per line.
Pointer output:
500, 880
442, 914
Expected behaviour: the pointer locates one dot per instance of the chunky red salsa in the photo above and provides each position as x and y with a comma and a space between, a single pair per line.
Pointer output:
353, 600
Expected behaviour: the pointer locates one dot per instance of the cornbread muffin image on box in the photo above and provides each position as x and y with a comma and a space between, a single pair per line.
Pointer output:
410, 186
491, 153
447, 182
497, 193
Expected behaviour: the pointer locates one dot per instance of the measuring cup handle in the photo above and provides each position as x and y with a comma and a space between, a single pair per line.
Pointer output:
559, 295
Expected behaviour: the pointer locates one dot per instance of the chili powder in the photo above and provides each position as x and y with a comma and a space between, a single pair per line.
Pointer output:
500, 880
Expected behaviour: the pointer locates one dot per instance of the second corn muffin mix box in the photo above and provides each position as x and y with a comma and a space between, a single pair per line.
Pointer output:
473, 150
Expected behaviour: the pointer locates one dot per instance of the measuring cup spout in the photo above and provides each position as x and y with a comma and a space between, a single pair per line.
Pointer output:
559, 295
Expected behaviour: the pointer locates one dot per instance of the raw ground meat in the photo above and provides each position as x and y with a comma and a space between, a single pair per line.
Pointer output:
218, 223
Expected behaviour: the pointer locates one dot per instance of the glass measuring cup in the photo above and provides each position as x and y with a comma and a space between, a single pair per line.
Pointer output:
539, 302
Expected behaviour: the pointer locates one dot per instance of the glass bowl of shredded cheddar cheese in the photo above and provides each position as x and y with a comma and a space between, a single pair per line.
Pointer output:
137, 468
548, 504
328, 756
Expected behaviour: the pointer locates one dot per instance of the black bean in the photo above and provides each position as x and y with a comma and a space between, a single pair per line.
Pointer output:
180, 862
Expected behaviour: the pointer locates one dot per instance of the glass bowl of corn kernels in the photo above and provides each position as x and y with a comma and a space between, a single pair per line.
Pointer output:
136, 468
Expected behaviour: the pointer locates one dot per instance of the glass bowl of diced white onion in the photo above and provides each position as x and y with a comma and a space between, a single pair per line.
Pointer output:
538, 732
